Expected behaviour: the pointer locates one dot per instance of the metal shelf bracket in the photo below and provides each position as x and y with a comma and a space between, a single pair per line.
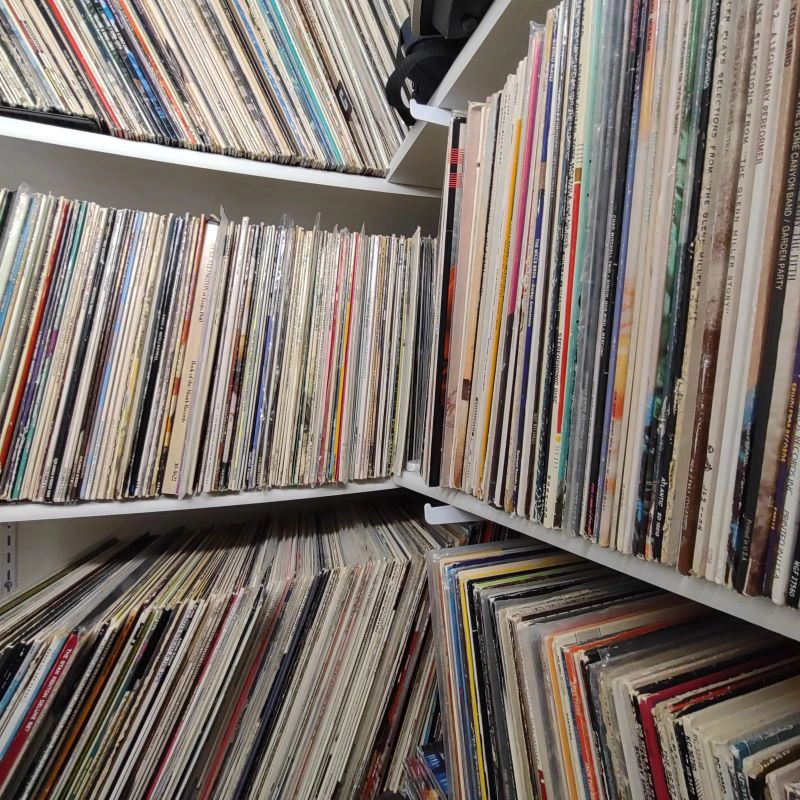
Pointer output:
8, 557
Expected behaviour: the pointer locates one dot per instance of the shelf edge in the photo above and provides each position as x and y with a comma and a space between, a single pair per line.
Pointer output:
58, 136
42, 512
758, 611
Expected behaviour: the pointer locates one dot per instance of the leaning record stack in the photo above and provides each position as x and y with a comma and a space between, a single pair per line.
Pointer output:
145, 354
623, 344
561, 679
298, 82
255, 661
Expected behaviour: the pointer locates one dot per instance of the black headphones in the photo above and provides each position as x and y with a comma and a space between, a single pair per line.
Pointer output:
422, 61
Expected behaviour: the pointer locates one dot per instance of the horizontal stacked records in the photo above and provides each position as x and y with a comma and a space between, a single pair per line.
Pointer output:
616, 337
270, 660
298, 82
559, 679
143, 354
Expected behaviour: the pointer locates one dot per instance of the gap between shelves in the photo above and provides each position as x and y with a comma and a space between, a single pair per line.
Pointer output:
61, 137
759, 611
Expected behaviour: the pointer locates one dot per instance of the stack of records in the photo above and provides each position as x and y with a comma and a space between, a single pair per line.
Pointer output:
560, 679
426, 774
143, 354
421, 718
298, 82
417, 767
617, 343
255, 661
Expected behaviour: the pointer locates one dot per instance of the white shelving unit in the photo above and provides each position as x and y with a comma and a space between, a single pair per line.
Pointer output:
756, 610
121, 172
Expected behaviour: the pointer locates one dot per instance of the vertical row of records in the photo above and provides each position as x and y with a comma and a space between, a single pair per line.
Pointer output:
145, 354
298, 82
615, 333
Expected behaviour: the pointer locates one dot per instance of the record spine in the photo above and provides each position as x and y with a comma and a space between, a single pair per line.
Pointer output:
773, 375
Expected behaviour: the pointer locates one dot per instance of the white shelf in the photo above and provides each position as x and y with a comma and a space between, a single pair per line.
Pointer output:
756, 610
147, 151
125, 173
489, 56
43, 512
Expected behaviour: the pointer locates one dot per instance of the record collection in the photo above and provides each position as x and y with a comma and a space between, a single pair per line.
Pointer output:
604, 338
264, 660
616, 333
295, 81
560, 679
143, 354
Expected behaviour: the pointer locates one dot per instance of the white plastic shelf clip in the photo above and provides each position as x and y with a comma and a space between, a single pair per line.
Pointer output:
432, 114
448, 515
